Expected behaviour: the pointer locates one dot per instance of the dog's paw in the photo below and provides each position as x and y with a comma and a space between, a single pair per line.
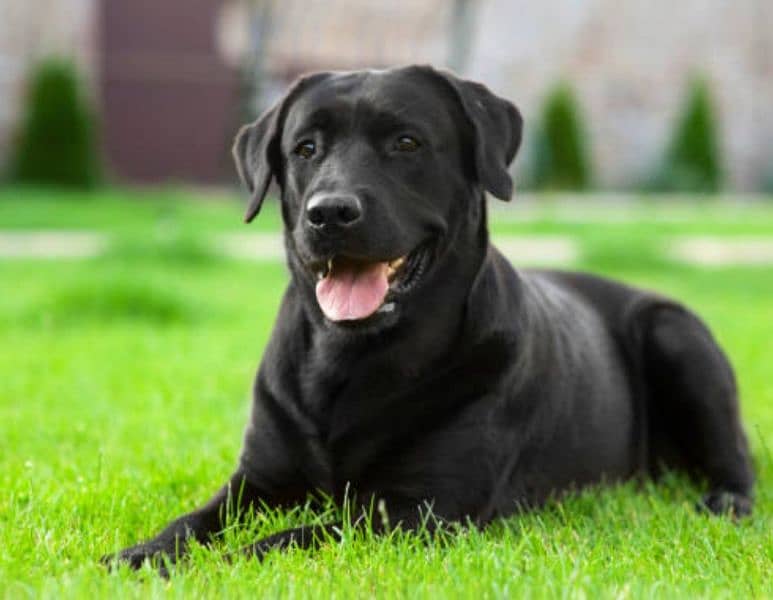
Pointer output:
723, 502
157, 555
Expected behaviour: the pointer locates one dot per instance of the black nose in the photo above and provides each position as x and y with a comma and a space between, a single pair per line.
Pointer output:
327, 211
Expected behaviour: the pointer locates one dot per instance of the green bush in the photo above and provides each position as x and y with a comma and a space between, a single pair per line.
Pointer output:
692, 161
560, 159
109, 301
56, 143
766, 185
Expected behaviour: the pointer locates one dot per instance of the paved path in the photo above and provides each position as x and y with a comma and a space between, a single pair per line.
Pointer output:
522, 250
715, 252
52, 244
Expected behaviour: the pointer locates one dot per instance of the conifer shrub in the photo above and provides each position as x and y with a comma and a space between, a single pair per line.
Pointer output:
56, 144
692, 161
560, 159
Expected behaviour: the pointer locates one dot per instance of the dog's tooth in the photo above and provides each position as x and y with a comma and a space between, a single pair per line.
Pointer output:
329, 265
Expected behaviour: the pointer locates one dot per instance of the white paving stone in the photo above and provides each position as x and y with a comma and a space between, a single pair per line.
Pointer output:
252, 246
710, 251
51, 244
538, 250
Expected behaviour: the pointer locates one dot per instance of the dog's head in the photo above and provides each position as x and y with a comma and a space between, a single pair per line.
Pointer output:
378, 172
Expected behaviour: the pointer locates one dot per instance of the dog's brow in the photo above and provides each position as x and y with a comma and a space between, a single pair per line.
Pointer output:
320, 118
385, 120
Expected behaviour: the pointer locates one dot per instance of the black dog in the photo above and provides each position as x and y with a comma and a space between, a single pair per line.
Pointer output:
411, 364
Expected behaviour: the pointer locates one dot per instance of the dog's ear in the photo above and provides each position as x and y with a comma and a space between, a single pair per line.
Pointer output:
497, 127
256, 149
251, 152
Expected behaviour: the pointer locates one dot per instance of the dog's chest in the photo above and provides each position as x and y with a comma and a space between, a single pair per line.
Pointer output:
375, 425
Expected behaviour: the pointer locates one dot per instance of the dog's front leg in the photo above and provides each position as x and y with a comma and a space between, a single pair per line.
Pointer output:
235, 497
305, 537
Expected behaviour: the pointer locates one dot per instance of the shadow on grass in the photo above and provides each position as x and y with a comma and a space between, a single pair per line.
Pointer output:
107, 300
164, 247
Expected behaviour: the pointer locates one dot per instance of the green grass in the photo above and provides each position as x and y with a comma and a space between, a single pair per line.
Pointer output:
136, 212
124, 390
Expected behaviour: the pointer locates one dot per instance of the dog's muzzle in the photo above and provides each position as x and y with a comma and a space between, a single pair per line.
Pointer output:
350, 289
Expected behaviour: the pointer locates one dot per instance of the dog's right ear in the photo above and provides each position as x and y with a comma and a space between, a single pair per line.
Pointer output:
252, 155
256, 149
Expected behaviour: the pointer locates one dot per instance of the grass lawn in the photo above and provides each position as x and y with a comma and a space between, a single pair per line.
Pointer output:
124, 389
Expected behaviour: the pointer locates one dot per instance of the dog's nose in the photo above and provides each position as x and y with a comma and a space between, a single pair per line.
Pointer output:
328, 211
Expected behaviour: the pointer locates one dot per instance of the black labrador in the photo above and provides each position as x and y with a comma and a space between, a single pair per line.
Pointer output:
411, 364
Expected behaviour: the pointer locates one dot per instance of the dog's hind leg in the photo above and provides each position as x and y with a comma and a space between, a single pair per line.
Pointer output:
692, 409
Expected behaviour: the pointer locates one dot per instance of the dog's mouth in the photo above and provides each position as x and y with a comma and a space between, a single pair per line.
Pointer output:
352, 289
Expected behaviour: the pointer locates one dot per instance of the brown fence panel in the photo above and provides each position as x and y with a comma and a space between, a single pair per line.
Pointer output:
169, 103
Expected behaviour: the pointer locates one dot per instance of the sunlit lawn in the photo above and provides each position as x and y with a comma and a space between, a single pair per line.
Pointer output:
124, 385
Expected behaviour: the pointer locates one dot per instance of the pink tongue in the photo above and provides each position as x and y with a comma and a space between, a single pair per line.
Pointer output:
352, 291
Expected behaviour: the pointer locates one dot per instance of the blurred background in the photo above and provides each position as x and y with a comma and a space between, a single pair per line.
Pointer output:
648, 95
135, 304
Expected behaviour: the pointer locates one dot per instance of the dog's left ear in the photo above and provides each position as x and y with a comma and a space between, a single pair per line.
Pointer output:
256, 149
498, 128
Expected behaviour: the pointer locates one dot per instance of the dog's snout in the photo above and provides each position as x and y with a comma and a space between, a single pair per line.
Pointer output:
329, 211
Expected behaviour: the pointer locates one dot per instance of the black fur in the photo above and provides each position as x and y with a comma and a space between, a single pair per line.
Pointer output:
486, 389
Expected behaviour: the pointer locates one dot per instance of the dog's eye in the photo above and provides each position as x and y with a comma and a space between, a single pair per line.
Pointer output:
305, 149
405, 143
